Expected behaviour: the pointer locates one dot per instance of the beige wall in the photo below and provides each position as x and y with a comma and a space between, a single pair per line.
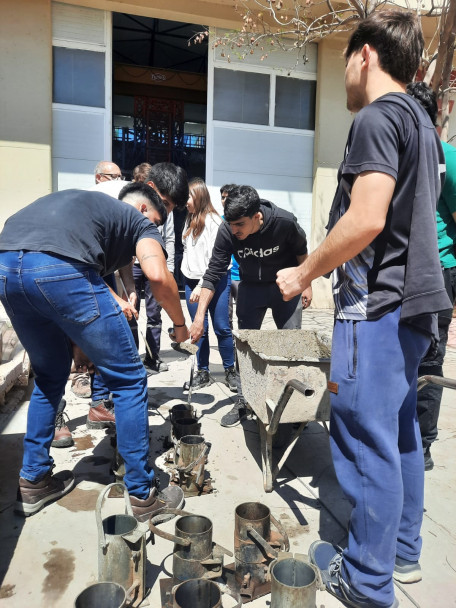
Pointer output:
25, 103
332, 124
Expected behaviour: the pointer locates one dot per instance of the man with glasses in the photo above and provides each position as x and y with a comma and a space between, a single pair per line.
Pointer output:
107, 171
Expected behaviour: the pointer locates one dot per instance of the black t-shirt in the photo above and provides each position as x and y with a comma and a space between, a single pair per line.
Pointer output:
383, 138
262, 254
83, 225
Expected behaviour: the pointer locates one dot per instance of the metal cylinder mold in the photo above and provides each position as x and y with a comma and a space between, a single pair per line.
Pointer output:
179, 411
186, 426
293, 583
255, 547
190, 464
187, 558
102, 595
197, 593
122, 549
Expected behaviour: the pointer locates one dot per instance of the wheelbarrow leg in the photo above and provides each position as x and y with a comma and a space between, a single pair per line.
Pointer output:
289, 448
266, 456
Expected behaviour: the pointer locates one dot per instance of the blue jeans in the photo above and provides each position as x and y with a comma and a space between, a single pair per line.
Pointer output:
50, 300
376, 447
218, 308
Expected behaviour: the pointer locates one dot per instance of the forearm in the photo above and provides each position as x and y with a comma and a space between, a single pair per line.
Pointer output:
345, 241
167, 295
205, 298
302, 258
162, 283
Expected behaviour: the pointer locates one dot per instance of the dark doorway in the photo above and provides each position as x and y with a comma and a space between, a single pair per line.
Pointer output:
159, 94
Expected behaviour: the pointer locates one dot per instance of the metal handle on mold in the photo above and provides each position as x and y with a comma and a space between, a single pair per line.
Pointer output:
166, 535
100, 499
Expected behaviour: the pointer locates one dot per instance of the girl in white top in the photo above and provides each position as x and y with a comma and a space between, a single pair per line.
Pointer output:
198, 237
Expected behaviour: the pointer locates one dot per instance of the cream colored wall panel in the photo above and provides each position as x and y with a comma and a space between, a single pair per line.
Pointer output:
333, 120
25, 175
25, 71
323, 193
78, 24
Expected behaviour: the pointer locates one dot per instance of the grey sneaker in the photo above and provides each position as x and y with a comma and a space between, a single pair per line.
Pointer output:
32, 496
200, 380
230, 379
428, 462
155, 366
151, 508
236, 413
328, 559
407, 572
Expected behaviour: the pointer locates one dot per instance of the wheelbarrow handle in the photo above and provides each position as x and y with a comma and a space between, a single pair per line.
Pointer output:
439, 380
290, 387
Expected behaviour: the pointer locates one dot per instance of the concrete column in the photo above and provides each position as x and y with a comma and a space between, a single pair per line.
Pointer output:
331, 130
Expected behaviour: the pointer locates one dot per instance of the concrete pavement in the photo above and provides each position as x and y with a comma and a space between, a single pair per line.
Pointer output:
48, 559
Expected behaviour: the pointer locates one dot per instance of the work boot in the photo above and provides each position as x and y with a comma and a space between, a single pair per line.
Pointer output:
62, 434
200, 380
172, 496
236, 413
80, 385
101, 415
230, 379
32, 496
155, 365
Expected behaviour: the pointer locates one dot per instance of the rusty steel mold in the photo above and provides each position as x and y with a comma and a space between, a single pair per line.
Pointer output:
255, 547
194, 553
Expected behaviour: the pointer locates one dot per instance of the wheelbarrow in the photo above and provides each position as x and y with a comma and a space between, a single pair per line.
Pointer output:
284, 376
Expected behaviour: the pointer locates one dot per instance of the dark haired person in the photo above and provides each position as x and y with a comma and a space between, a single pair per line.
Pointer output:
53, 256
387, 285
430, 396
235, 276
170, 183
263, 239
198, 236
101, 411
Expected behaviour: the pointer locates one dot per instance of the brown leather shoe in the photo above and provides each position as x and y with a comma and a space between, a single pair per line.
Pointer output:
62, 434
150, 508
101, 415
32, 496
